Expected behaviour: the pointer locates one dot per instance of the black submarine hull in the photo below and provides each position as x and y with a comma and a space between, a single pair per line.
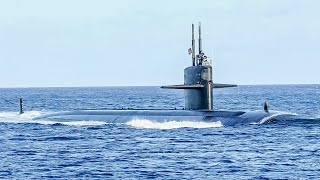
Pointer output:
227, 118
198, 88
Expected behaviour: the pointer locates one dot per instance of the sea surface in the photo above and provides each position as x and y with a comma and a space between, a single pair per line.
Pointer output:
142, 149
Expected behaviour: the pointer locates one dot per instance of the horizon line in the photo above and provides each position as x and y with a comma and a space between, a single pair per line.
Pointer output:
22, 87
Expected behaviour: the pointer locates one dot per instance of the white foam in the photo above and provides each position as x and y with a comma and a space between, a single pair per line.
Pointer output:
266, 119
28, 117
14, 116
84, 123
148, 124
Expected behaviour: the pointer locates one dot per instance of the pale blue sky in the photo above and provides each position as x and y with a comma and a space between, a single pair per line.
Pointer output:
145, 42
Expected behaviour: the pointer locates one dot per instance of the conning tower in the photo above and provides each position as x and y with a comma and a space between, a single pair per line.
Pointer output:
198, 84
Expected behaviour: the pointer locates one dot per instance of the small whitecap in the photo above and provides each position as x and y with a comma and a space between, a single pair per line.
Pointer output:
148, 124
28, 117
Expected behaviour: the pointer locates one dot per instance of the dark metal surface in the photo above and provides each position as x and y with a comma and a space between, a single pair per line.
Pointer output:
21, 106
227, 118
198, 99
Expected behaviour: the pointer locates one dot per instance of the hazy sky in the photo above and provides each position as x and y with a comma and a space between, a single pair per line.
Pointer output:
145, 42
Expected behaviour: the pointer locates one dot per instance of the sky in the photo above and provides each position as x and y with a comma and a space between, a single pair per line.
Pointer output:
72, 43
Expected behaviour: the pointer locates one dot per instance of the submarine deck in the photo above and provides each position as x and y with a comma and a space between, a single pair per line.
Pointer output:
123, 116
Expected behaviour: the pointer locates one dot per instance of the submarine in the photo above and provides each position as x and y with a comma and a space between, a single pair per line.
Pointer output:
198, 92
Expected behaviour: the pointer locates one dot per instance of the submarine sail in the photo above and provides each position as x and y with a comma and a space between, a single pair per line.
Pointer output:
198, 83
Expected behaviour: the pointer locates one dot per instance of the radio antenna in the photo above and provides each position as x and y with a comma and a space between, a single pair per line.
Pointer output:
193, 47
200, 40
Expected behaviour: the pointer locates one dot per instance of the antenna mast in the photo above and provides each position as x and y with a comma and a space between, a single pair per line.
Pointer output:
200, 40
193, 47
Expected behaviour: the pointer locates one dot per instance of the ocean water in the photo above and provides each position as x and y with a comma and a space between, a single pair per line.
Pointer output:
142, 149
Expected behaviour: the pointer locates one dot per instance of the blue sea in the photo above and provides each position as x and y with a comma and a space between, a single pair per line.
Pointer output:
142, 149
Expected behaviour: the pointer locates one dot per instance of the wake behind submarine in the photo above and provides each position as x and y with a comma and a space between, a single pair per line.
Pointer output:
198, 88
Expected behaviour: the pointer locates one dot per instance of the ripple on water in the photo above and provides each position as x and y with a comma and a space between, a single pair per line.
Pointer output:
288, 149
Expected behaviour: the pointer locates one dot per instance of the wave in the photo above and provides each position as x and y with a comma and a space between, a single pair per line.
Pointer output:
31, 117
15, 115
268, 118
28, 117
148, 124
